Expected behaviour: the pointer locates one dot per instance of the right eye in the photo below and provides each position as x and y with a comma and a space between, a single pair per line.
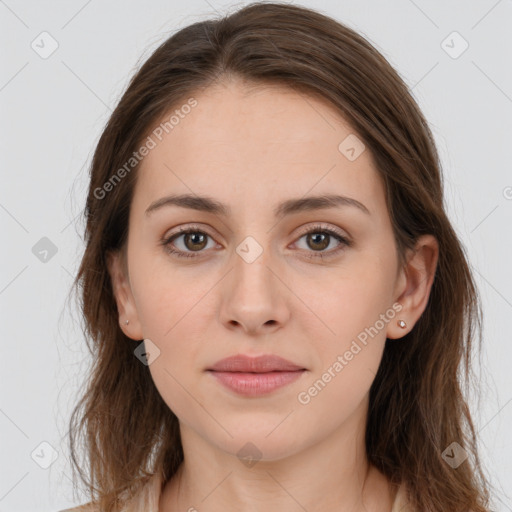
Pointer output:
193, 238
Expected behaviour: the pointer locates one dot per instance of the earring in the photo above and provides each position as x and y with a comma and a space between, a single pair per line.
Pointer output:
127, 322
402, 324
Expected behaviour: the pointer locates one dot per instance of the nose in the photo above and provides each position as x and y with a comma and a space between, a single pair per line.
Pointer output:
254, 297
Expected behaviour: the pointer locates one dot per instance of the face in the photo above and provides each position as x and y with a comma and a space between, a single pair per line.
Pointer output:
246, 281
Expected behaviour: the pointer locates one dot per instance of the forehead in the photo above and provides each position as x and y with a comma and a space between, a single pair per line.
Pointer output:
241, 142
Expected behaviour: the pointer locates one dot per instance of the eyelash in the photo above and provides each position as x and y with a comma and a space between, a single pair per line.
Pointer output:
345, 242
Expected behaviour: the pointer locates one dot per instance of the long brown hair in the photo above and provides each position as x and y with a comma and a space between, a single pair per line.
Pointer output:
417, 408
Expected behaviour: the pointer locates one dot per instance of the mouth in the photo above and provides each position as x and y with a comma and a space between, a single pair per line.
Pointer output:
259, 364
255, 376
255, 383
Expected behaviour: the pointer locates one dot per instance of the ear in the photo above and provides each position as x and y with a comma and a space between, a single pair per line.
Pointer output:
118, 271
414, 284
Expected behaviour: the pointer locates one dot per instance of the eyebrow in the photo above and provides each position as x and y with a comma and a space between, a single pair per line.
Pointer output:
210, 205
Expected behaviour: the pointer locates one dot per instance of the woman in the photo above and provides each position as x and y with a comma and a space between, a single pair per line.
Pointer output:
277, 302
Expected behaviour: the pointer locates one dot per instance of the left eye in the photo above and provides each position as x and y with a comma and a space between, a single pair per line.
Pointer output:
196, 240
321, 239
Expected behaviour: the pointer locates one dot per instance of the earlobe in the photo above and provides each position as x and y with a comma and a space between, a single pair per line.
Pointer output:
416, 282
128, 317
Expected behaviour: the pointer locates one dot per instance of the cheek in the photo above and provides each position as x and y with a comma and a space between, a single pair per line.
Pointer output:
350, 298
350, 351
166, 297
169, 308
356, 309
174, 307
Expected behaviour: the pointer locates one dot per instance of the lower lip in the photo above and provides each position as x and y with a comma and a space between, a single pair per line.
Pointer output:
255, 384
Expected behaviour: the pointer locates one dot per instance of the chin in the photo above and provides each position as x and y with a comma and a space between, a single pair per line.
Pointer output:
251, 446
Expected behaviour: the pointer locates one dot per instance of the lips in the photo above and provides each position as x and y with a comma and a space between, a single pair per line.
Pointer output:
260, 364
255, 376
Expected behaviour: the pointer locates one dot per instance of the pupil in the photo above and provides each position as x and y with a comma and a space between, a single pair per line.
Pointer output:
193, 235
324, 244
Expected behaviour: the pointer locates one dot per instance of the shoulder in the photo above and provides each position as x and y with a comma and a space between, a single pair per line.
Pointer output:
146, 500
88, 507
401, 503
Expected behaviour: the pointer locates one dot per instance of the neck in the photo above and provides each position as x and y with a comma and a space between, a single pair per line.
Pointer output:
330, 474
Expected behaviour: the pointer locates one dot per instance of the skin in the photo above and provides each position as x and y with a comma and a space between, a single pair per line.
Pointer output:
251, 148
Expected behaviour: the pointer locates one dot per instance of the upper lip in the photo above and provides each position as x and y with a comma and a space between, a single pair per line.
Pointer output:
260, 364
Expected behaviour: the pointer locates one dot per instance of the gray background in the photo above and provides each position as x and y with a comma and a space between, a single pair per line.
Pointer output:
53, 110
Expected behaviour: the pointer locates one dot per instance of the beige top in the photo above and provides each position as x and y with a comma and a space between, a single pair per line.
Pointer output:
147, 500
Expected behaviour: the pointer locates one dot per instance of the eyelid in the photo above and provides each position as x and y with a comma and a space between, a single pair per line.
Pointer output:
187, 229
329, 228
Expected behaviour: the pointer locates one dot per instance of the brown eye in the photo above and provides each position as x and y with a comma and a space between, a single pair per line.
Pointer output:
318, 240
192, 241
